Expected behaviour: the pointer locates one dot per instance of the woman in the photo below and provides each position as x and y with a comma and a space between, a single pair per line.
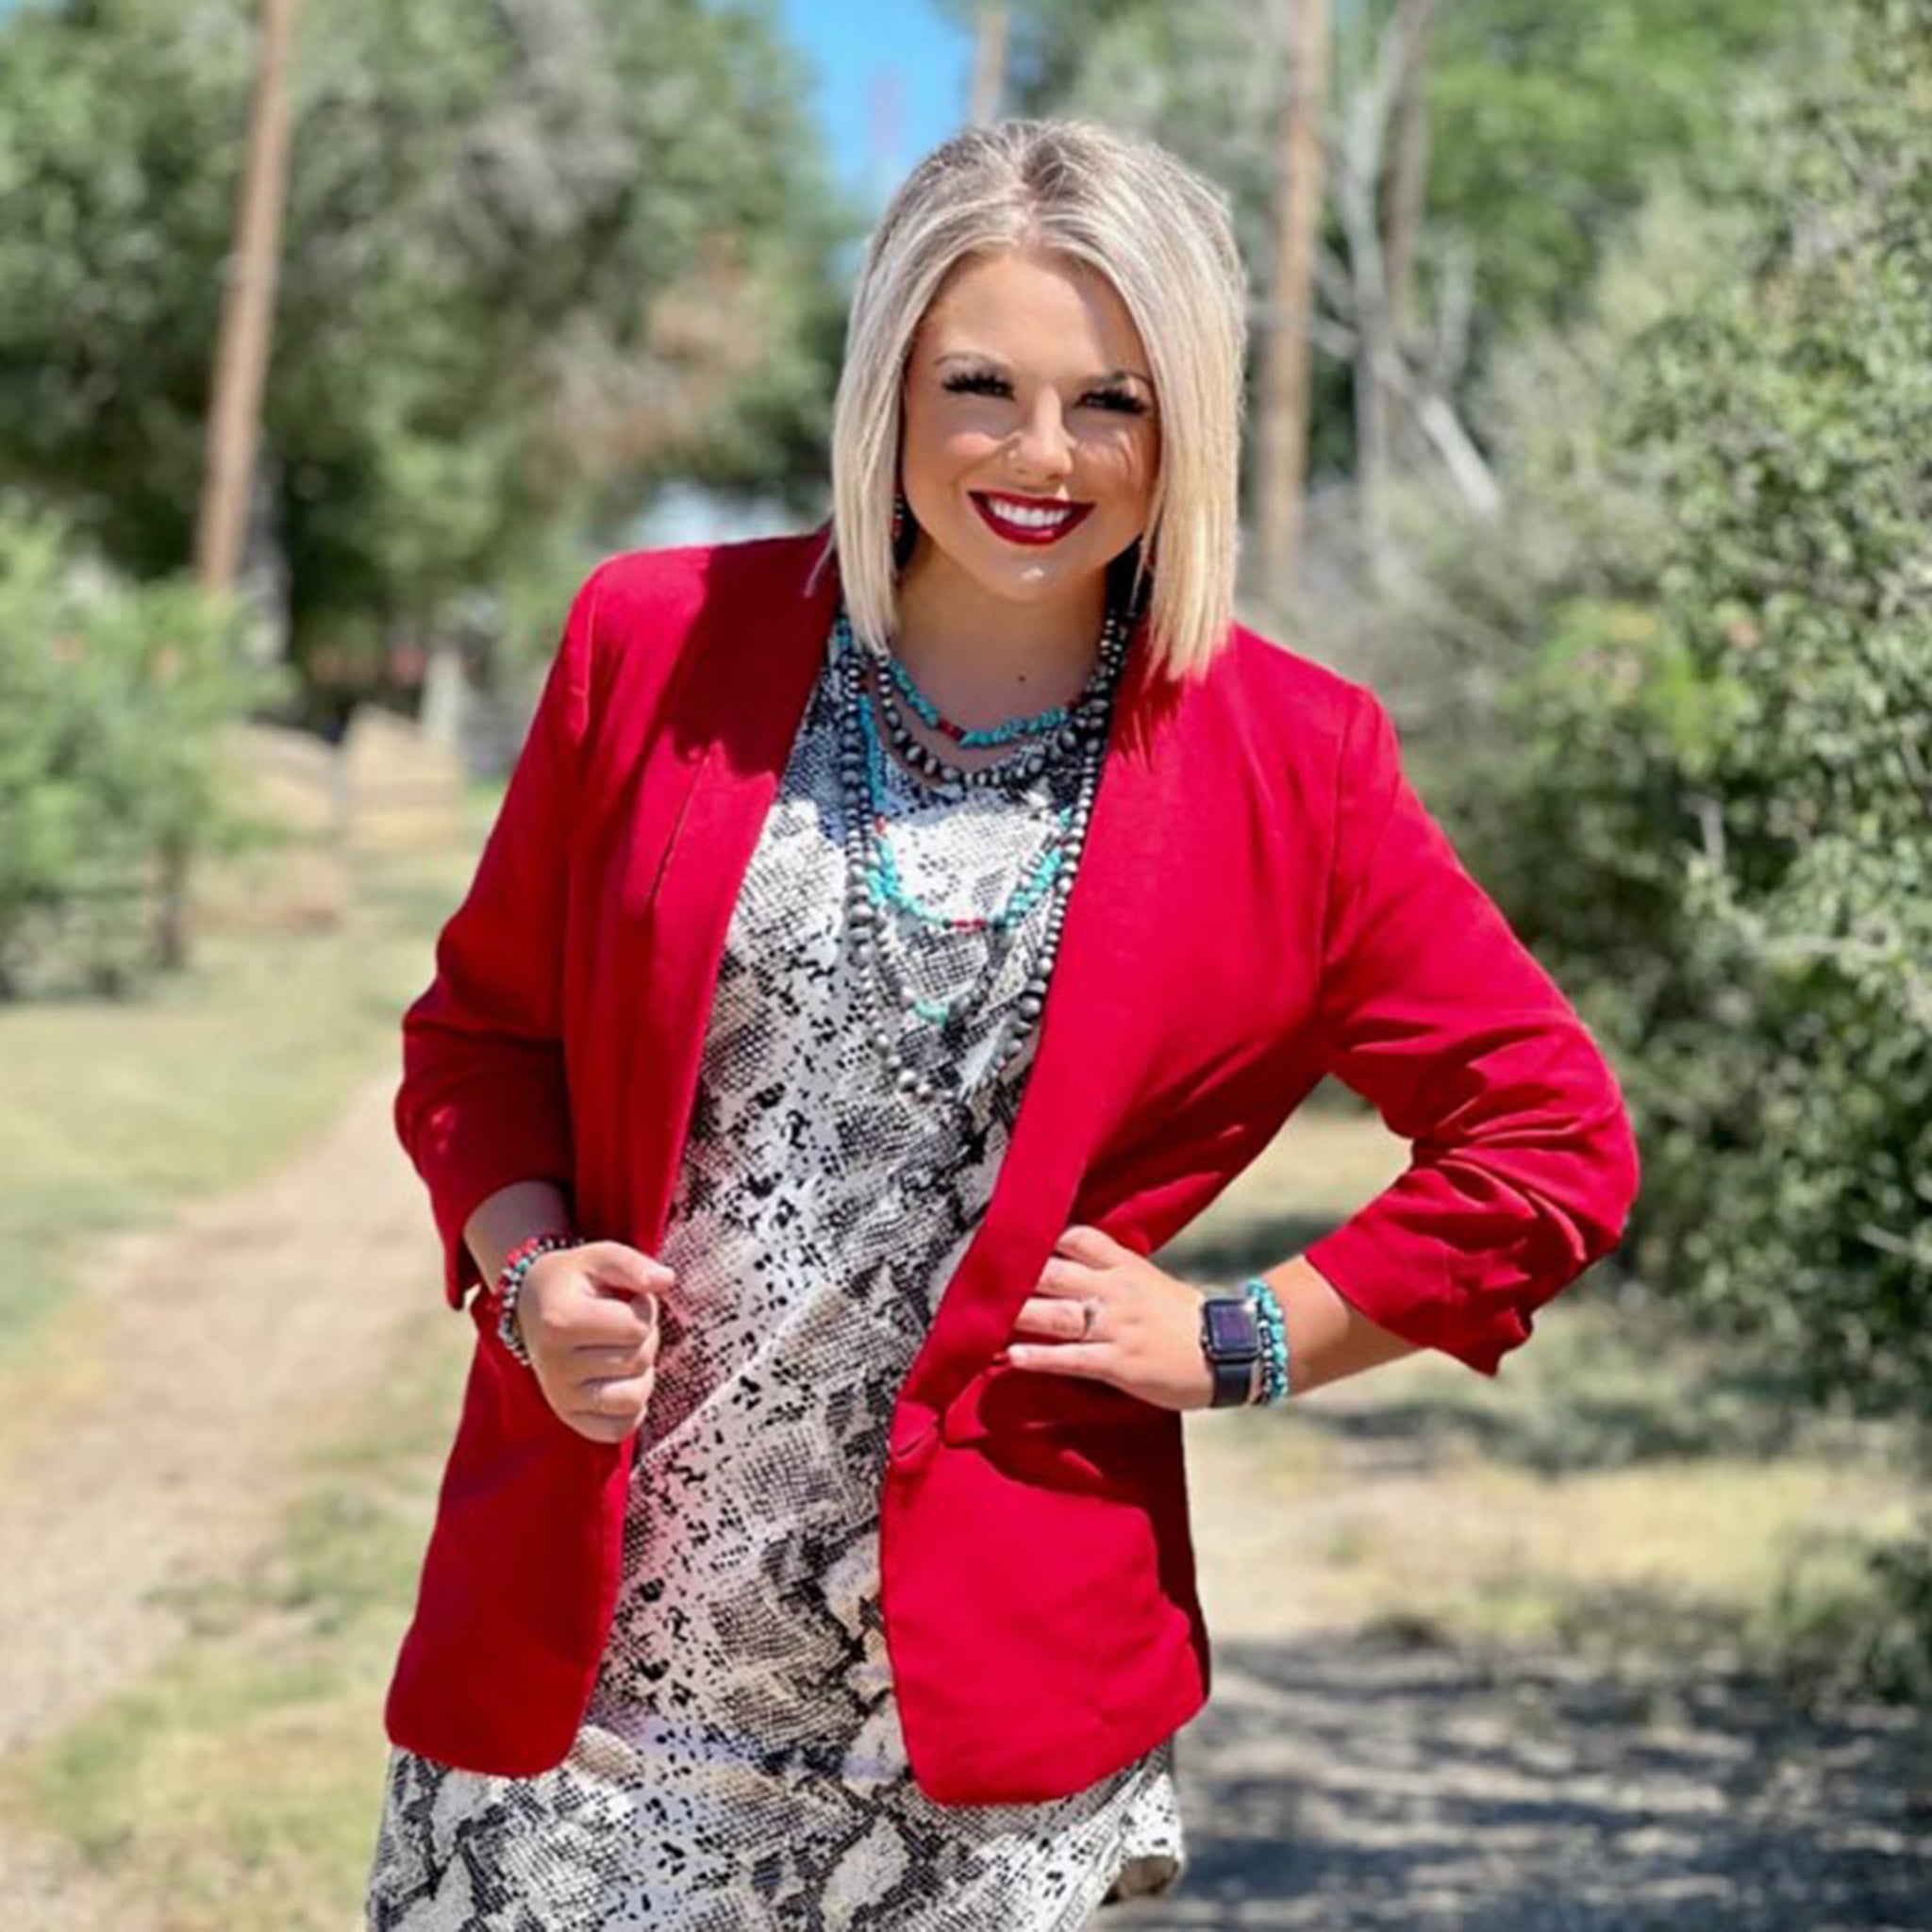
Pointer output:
887, 942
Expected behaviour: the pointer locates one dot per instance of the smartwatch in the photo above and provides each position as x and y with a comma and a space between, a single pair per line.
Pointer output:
1231, 1342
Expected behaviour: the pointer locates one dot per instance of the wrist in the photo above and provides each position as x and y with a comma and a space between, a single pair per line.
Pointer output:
508, 1217
1271, 1380
1231, 1346
510, 1284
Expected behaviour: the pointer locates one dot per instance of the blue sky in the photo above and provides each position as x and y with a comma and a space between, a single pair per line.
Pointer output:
897, 61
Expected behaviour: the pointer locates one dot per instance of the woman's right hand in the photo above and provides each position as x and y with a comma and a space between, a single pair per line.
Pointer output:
589, 1319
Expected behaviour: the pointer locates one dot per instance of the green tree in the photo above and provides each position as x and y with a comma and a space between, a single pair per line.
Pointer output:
1548, 126
1705, 792
537, 254
113, 702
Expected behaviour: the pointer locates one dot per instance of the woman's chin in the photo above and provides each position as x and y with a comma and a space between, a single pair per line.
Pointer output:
1027, 577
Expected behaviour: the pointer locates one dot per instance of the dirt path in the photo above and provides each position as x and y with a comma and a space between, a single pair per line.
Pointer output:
197, 1365
1348, 1786
1344, 1782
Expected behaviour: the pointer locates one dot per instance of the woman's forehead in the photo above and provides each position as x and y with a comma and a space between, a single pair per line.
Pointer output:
1027, 306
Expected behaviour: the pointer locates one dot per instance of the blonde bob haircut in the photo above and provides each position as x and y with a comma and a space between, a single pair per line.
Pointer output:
1160, 235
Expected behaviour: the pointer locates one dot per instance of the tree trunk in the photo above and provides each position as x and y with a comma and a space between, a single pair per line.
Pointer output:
1282, 439
989, 64
1408, 170
1379, 260
248, 303
247, 311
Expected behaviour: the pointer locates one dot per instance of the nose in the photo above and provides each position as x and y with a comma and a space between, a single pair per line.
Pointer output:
1040, 451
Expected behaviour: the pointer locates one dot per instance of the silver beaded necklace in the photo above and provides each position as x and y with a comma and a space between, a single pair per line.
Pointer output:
872, 903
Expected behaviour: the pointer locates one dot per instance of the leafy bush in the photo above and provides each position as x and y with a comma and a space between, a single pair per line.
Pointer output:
1701, 780
1854, 1616
534, 258
111, 698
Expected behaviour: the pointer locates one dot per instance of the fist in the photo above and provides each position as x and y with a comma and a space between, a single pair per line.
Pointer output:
589, 1318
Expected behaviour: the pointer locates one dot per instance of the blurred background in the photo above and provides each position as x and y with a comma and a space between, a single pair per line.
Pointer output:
1591, 403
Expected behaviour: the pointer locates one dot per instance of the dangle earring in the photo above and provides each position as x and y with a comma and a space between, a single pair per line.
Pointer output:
1130, 588
904, 531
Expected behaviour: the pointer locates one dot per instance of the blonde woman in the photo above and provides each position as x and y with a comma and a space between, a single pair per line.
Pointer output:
891, 938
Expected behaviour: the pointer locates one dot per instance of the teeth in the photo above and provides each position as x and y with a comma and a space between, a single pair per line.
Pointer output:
1029, 518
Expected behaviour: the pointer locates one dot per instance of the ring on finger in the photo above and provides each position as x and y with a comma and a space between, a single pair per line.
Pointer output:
1089, 1313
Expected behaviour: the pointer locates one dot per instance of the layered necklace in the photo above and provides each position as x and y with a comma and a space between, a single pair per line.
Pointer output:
883, 916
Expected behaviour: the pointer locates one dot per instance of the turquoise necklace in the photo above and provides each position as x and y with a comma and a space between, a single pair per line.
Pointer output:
1054, 730
1035, 726
877, 895
889, 889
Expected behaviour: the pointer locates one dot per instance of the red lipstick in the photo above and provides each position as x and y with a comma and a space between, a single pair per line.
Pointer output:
994, 512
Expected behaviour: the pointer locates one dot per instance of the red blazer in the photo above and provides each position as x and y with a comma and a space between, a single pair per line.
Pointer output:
1262, 901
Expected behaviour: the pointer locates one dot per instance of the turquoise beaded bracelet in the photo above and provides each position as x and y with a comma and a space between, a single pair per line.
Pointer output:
1273, 1331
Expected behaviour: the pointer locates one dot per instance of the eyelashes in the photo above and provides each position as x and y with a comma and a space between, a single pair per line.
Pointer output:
976, 385
979, 382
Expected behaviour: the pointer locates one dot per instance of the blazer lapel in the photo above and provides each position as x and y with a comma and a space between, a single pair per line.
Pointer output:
1088, 1053
760, 641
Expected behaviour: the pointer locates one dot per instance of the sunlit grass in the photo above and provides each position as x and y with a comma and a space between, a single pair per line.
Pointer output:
119, 1112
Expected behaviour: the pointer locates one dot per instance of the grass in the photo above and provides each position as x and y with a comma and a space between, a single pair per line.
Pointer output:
119, 1112
241, 1780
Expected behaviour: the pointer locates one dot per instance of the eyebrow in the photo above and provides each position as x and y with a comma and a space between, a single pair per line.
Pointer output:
995, 362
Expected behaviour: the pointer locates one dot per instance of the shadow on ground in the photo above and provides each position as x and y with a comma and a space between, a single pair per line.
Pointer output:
1344, 1783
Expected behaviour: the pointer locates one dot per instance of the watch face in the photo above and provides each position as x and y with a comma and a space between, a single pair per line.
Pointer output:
1231, 1329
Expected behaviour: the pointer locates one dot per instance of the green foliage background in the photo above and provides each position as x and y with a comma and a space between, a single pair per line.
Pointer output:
112, 701
537, 255
1699, 779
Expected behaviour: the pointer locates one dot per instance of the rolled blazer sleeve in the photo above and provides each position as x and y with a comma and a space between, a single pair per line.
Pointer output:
483, 1100
1524, 1166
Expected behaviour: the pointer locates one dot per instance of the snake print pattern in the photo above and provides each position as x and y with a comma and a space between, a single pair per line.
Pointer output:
741, 1766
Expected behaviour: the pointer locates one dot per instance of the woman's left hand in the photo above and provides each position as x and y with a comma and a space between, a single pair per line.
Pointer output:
1106, 1312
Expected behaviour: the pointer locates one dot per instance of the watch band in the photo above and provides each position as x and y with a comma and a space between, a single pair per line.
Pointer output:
1231, 1342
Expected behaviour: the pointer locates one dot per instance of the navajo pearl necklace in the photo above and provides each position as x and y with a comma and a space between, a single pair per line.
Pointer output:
874, 891
1060, 724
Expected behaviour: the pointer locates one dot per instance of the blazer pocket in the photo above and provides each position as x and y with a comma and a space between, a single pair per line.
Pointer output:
1083, 1437
1003, 1400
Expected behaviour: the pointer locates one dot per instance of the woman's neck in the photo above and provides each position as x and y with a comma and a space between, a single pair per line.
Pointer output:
981, 658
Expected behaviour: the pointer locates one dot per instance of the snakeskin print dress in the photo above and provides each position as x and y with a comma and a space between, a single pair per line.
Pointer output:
740, 1765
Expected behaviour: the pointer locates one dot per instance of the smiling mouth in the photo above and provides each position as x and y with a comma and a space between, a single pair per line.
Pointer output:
1028, 520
